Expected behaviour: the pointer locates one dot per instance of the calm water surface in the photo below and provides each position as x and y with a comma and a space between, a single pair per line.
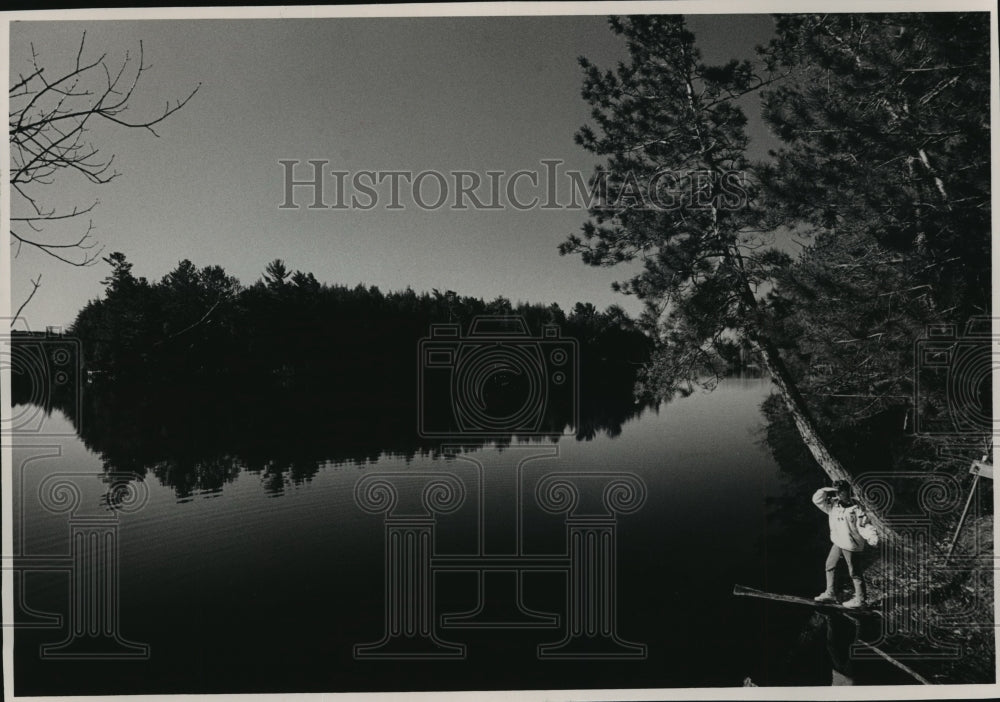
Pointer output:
251, 589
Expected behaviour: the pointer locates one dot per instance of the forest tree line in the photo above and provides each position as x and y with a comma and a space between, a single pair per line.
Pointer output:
199, 323
882, 181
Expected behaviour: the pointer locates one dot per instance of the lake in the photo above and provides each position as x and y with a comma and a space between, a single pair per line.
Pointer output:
264, 573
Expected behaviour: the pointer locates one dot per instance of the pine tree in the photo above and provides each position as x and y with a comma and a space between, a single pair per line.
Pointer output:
664, 117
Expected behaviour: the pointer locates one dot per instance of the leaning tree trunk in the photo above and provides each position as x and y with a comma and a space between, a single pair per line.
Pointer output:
771, 358
807, 426
768, 352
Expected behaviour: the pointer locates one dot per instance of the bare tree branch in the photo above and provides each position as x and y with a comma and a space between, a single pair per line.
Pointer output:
35, 283
50, 125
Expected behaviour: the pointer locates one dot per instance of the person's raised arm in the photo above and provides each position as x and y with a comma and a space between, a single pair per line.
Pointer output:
821, 498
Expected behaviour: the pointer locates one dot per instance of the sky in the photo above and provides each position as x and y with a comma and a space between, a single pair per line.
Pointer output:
448, 94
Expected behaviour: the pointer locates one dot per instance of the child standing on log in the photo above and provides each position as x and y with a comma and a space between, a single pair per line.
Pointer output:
850, 532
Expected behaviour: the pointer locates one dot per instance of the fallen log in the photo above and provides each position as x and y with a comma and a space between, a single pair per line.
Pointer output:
851, 613
743, 591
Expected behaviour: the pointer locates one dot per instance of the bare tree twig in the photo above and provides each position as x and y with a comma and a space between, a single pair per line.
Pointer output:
36, 283
50, 123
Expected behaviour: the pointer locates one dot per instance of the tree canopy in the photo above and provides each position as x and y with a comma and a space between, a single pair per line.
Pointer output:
882, 180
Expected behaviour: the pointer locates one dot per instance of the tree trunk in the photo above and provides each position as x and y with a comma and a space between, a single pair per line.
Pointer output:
807, 427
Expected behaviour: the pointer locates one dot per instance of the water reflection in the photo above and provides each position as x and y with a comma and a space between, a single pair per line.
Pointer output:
197, 438
212, 584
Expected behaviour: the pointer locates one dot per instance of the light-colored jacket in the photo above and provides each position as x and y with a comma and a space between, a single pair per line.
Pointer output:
847, 524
